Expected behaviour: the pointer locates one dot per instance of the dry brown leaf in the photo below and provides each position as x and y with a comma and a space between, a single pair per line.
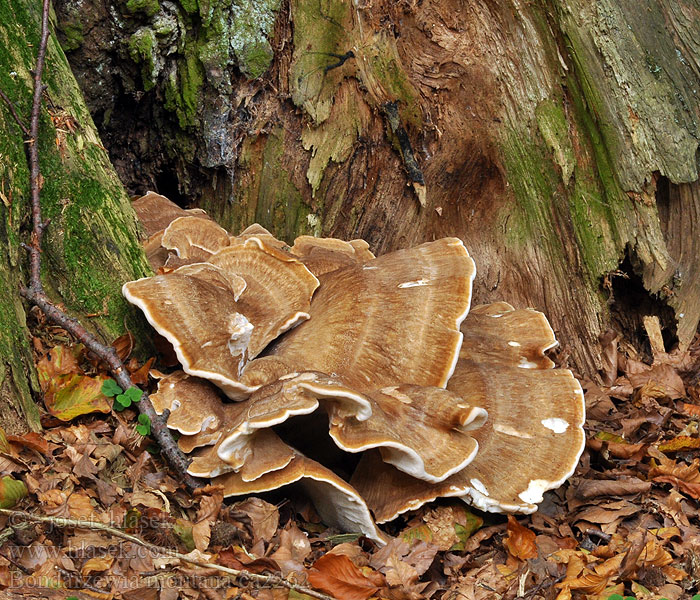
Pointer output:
209, 507
607, 513
565, 594
236, 557
403, 563
657, 381
139, 376
293, 548
124, 345
6, 577
96, 564
80, 506
59, 361
520, 541
617, 449
690, 409
31, 440
399, 573
201, 534
264, 518
590, 488
674, 574
592, 581
335, 574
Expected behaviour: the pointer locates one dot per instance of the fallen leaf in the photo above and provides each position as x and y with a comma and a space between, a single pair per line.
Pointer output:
124, 344
59, 361
96, 564
520, 541
617, 449
264, 518
336, 575
69, 396
236, 557
4, 445
80, 506
139, 376
31, 440
11, 491
294, 547
658, 381
690, 409
420, 532
590, 488
681, 442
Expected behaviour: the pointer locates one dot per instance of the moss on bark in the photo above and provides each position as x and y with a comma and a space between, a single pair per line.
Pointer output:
91, 244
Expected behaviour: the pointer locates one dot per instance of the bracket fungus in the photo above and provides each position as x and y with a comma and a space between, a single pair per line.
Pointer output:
421, 398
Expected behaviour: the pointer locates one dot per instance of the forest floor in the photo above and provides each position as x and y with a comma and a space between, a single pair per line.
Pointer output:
626, 525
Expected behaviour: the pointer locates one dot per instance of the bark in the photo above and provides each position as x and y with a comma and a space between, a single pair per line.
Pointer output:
91, 243
558, 139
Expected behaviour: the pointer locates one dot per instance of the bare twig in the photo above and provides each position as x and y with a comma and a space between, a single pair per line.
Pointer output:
268, 581
35, 292
14, 114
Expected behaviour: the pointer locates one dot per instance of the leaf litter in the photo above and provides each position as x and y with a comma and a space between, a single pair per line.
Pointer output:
626, 525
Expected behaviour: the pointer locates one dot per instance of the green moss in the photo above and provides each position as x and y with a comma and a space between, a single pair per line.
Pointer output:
91, 246
251, 28
320, 30
534, 181
554, 128
183, 88
256, 58
189, 6
597, 201
72, 34
587, 87
384, 65
280, 205
143, 48
214, 46
146, 7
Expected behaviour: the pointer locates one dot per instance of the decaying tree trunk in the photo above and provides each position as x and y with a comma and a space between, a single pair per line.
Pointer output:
91, 244
558, 139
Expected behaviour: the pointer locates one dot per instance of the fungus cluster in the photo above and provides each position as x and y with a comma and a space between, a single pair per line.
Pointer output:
295, 357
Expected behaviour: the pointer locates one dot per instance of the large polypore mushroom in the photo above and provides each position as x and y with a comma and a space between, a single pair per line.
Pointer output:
437, 403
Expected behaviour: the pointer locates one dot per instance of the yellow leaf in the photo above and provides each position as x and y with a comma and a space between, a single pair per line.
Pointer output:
97, 564
606, 436
69, 396
421, 532
681, 442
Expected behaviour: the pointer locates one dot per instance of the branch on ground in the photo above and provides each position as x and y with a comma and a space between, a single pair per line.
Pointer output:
35, 293
19, 518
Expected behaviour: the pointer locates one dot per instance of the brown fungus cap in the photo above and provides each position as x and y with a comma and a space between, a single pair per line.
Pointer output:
156, 212
291, 395
195, 404
194, 239
220, 314
336, 501
532, 439
199, 316
423, 431
393, 320
278, 288
237, 437
264, 452
263, 235
322, 255
155, 253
